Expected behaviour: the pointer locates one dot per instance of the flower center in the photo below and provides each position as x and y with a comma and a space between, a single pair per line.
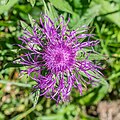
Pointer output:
59, 57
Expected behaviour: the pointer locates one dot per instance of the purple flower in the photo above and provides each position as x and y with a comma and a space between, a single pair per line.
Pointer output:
52, 58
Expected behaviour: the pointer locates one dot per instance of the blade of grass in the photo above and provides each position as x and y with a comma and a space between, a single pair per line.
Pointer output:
15, 83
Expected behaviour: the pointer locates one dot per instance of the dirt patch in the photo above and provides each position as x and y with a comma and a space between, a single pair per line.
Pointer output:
109, 110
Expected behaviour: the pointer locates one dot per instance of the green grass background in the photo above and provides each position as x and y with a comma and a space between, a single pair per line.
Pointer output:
16, 100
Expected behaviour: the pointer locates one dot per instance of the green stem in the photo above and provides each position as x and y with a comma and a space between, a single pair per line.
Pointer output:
15, 83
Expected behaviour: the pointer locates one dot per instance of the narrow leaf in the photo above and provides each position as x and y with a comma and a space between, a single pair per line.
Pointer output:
32, 21
11, 64
62, 5
32, 2
25, 26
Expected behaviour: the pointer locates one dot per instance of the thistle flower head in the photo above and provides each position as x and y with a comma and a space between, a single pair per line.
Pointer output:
53, 58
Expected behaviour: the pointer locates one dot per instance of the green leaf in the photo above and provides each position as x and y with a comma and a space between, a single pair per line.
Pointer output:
25, 26
62, 5
116, 45
11, 64
3, 2
50, 12
32, 21
5, 8
94, 56
87, 18
93, 96
32, 2
15, 83
90, 54
24, 114
46, 8
52, 117
36, 96
108, 10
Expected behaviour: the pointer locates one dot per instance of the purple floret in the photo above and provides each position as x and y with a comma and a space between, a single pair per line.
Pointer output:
52, 59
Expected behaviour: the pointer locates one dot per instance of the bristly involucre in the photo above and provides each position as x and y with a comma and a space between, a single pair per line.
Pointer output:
52, 58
